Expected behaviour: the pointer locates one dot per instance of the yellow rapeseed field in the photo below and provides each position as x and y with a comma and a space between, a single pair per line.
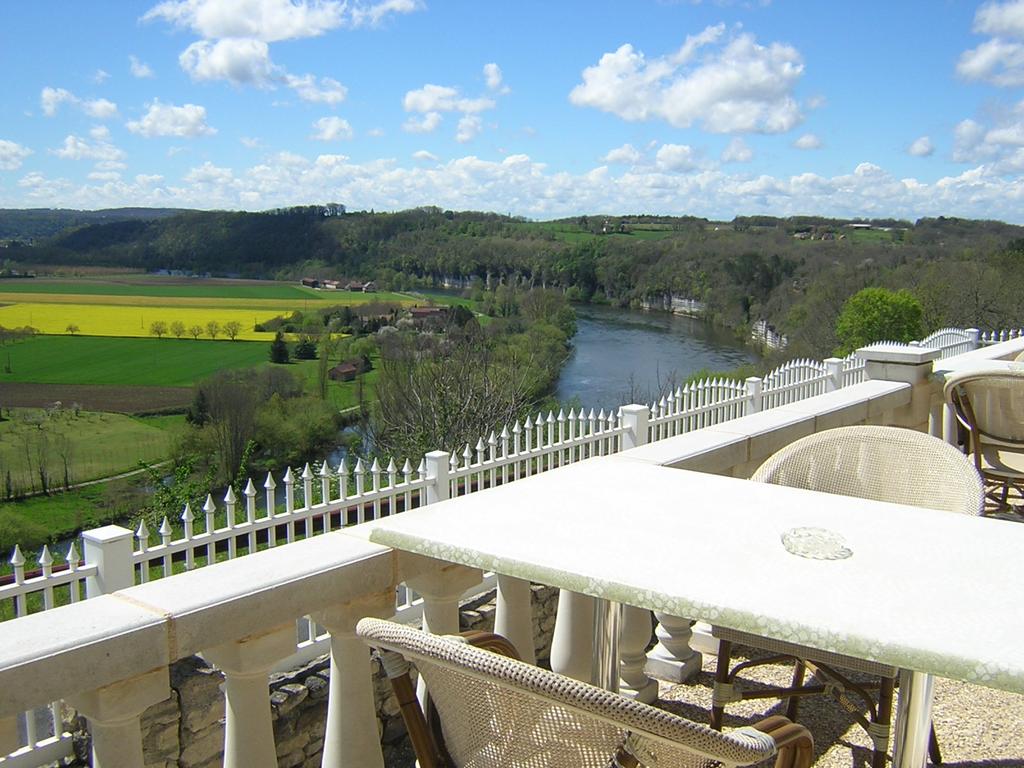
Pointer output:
119, 320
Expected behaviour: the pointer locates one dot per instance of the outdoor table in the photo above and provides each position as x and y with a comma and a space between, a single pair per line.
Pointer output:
934, 593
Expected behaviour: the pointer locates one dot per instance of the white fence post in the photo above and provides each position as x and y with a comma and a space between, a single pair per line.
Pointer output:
973, 337
437, 466
834, 367
635, 419
110, 549
753, 402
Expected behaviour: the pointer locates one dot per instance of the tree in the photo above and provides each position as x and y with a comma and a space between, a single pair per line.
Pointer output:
195, 331
212, 329
279, 349
178, 328
878, 314
158, 328
72, 329
305, 349
232, 328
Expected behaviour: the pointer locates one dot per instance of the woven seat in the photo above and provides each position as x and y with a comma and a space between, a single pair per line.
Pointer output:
880, 463
989, 405
496, 711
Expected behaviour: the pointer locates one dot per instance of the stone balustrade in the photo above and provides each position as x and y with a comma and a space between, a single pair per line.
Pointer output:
111, 657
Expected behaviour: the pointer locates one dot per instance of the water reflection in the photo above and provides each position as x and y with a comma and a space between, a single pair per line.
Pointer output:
622, 356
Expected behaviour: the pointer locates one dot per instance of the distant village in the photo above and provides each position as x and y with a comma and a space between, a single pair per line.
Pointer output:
358, 286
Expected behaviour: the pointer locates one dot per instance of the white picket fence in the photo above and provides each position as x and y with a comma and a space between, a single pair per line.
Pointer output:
334, 498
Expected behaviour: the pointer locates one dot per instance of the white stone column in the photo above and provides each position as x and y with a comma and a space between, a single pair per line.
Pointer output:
673, 659
634, 635
9, 741
834, 367
513, 615
910, 364
351, 736
110, 549
636, 420
246, 664
113, 712
572, 647
436, 466
752, 404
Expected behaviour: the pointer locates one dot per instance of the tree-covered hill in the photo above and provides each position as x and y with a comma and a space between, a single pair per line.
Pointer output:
795, 273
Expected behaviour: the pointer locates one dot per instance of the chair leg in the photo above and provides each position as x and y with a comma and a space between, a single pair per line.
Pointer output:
882, 722
721, 678
793, 705
933, 748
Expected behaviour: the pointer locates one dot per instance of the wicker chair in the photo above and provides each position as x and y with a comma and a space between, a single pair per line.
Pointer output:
494, 710
880, 463
990, 406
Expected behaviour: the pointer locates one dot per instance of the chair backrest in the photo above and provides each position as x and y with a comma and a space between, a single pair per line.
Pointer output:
990, 402
497, 711
880, 463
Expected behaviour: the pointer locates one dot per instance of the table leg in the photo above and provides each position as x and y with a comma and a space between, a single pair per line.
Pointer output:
913, 720
605, 665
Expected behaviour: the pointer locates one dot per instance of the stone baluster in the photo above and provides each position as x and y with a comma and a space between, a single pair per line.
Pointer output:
634, 635
246, 664
572, 646
351, 738
113, 712
513, 615
673, 659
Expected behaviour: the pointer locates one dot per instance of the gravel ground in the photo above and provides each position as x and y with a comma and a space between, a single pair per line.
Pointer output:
976, 726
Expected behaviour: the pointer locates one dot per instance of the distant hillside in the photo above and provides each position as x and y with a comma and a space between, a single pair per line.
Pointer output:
793, 272
35, 223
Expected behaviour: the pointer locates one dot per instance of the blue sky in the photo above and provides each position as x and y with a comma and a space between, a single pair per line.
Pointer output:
540, 109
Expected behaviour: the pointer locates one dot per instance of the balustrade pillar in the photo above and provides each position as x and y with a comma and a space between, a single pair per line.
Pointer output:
9, 741
513, 615
673, 659
110, 549
246, 664
351, 737
633, 639
113, 712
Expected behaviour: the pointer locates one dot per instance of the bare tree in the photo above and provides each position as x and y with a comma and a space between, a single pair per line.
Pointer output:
178, 328
195, 331
158, 328
232, 328
72, 329
212, 329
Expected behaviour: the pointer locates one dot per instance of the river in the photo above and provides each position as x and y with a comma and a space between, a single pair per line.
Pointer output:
621, 355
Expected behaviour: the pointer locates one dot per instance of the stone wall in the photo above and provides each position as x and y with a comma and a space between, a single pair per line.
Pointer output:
187, 730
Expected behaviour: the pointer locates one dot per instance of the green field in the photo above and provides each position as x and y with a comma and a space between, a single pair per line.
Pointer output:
86, 445
199, 289
119, 361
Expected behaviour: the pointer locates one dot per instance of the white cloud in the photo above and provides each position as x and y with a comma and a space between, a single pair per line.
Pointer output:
139, 69
442, 98
808, 141
425, 124
627, 154
51, 98
104, 176
493, 77
469, 128
921, 147
100, 133
101, 109
1000, 59
675, 157
374, 13
77, 148
329, 91
273, 20
238, 60
188, 120
375, 132
251, 143
99, 76
737, 151
12, 155
738, 87
331, 129
425, 155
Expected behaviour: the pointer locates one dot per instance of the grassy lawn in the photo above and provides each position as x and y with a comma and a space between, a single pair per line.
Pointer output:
117, 361
136, 286
90, 445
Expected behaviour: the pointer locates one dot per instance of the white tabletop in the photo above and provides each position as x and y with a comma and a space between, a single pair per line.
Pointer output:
924, 590
941, 369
